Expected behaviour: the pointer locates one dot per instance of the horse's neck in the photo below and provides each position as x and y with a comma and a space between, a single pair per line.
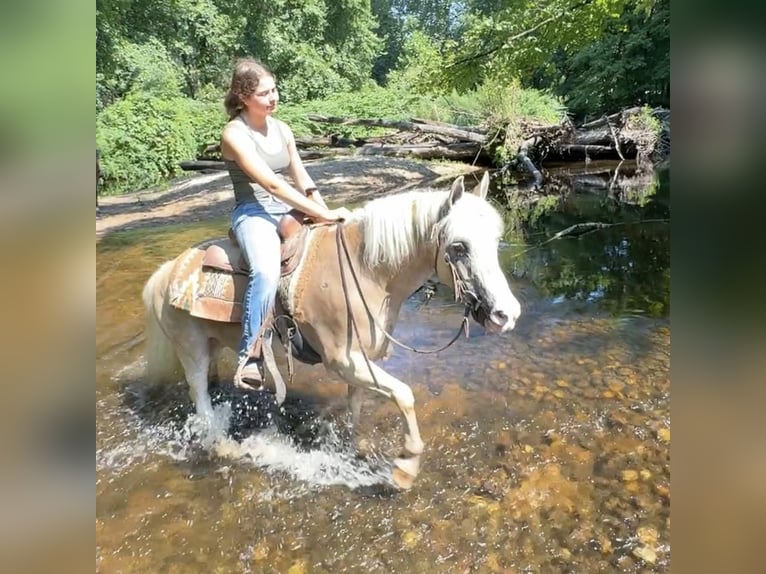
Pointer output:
389, 288
411, 275
396, 285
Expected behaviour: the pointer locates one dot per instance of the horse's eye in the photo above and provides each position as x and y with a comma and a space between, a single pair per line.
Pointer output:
459, 249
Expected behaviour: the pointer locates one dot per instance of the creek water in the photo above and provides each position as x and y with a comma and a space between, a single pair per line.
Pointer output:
547, 448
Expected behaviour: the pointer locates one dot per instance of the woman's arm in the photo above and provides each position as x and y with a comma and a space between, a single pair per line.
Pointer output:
237, 146
297, 170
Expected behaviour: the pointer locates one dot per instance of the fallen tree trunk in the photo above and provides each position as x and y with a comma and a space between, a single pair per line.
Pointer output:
457, 151
432, 127
306, 155
202, 165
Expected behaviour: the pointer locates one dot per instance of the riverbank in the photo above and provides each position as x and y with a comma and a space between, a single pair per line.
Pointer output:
342, 181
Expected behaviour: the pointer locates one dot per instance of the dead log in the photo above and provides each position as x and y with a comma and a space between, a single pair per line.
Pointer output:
476, 129
334, 141
604, 120
456, 151
523, 158
587, 150
306, 155
443, 129
596, 136
202, 165
309, 154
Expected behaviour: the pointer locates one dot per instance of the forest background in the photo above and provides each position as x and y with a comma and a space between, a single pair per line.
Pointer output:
162, 67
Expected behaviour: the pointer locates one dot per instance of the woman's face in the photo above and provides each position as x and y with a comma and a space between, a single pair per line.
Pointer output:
265, 97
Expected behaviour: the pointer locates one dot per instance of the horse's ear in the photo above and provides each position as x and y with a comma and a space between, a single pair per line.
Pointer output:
457, 191
483, 187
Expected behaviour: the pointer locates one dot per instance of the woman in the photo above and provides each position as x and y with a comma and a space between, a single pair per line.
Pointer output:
257, 149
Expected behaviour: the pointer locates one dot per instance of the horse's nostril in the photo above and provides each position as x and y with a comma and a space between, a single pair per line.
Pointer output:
501, 316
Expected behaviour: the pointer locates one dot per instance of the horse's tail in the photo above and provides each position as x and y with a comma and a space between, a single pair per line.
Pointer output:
162, 363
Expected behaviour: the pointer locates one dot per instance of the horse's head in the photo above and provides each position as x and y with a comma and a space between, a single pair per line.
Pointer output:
469, 232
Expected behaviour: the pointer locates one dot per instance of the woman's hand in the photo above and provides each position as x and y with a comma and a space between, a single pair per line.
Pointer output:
339, 214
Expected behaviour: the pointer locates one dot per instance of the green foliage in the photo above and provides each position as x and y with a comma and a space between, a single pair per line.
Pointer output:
314, 47
510, 109
146, 68
421, 64
518, 38
372, 101
142, 138
197, 37
628, 65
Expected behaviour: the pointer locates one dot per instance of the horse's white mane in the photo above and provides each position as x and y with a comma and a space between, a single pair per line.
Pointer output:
395, 226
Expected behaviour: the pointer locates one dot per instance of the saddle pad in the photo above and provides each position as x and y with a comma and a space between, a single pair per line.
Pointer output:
206, 292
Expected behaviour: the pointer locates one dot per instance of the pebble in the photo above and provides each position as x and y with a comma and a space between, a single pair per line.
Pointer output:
606, 545
411, 538
645, 474
664, 434
645, 553
648, 535
629, 475
632, 487
261, 551
616, 386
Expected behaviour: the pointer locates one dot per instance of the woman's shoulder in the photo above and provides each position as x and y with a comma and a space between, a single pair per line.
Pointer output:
280, 123
234, 123
283, 127
234, 127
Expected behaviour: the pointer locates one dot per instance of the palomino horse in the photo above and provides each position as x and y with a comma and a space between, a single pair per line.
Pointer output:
346, 293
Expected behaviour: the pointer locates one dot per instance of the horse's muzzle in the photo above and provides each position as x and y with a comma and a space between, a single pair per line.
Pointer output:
495, 320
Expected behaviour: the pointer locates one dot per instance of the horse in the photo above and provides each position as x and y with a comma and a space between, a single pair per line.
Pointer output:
346, 292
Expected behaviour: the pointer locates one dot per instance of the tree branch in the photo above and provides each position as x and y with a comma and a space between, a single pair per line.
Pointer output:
518, 36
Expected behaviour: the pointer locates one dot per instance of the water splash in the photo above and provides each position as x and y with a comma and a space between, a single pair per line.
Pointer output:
329, 461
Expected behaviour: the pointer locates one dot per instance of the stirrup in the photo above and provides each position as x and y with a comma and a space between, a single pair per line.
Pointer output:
249, 375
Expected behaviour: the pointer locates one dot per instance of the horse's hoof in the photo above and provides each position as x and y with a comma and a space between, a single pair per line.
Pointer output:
363, 447
404, 472
401, 479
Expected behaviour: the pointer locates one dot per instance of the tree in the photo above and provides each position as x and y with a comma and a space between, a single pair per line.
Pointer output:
197, 37
628, 65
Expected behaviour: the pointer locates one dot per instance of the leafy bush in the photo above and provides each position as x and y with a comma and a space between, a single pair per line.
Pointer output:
142, 138
371, 101
146, 68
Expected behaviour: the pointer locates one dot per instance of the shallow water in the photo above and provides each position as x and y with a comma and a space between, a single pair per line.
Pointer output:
547, 448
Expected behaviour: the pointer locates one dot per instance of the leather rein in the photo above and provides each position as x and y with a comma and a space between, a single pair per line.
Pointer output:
461, 293
458, 286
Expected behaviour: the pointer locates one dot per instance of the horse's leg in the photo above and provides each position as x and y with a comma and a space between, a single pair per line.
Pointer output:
195, 359
372, 377
355, 399
215, 351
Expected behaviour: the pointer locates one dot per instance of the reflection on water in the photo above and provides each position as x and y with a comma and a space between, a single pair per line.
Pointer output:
620, 264
547, 448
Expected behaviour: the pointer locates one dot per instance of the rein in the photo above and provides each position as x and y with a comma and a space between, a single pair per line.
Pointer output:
341, 241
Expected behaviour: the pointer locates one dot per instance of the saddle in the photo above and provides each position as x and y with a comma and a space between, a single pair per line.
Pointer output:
211, 280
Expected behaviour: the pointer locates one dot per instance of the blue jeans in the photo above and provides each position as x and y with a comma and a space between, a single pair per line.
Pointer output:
255, 226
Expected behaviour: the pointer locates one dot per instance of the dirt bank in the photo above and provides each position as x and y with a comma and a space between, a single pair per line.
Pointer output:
344, 181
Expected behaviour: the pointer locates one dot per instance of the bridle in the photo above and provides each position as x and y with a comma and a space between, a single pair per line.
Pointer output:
460, 286
469, 298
